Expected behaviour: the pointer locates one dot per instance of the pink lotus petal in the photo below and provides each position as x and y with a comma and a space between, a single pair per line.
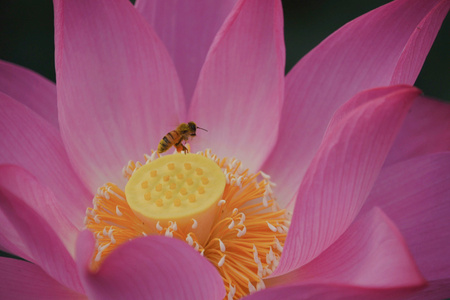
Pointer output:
32, 143
10, 240
31, 89
187, 29
330, 292
23, 280
363, 54
118, 91
436, 290
416, 49
371, 253
415, 195
342, 173
154, 267
20, 184
41, 240
426, 130
240, 90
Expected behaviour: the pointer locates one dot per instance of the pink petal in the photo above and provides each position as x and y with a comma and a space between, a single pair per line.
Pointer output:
330, 292
32, 143
153, 267
426, 130
41, 240
436, 290
240, 90
118, 91
416, 49
10, 240
23, 280
187, 29
371, 253
31, 89
370, 51
415, 195
342, 173
18, 183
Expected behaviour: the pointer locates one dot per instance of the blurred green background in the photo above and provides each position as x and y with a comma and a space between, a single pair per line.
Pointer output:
26, 36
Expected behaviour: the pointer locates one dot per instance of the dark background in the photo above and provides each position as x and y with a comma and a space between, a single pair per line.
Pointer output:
26, 36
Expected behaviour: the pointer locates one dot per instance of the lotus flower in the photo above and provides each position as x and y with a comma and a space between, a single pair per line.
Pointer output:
359, 157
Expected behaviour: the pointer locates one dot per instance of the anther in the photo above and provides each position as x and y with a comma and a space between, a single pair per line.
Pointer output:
241, 232
148, 196
158, 187
231, 224
194, 226
168, 233
153, 156
118, 212
189, 240
199, 171
144, 184
171, 166
221, 261
187, 166
260, 285
222, 246
221, 202
158, 226
242, 219
231, 292
271, 227
159, 202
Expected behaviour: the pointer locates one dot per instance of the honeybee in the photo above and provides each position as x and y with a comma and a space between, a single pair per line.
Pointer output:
177, 136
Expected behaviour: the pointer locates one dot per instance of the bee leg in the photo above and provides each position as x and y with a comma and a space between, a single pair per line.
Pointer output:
180, 147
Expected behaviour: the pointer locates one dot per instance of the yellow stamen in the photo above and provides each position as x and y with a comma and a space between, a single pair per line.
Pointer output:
238, 226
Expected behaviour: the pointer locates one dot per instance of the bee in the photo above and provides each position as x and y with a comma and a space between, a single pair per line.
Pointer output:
177, 136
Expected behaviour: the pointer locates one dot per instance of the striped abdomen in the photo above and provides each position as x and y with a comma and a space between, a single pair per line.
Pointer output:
168, 141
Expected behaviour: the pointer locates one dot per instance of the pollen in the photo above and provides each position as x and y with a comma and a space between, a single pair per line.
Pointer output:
225, 212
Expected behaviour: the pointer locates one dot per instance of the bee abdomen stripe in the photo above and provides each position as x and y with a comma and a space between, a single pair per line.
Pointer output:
166, 139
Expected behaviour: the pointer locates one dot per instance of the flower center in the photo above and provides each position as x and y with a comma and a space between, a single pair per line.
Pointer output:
182, 188
219, 208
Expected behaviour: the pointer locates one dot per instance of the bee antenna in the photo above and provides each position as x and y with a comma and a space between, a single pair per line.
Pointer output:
202, 129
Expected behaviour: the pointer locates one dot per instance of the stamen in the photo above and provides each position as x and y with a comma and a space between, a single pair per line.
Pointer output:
245, 221
221, 261
118, 212
222, 246
242, 232
158, 227
271, 227
231, 225
195, 225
